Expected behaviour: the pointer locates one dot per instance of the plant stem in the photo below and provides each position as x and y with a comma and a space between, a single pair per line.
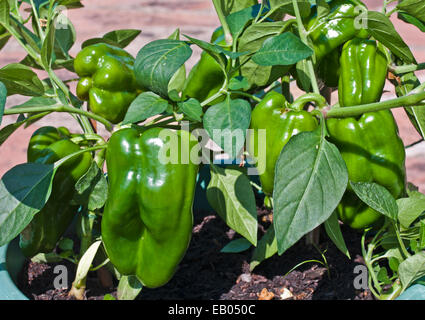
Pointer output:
303, 37
409, 100
60, 108
223, 21
245, 94
406, 68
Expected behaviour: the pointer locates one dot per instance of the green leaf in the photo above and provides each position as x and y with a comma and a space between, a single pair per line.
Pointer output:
213, 50
412, 20
192, 109
3, 97
129, 288
286, 6
416, 114
285, 49
409, 209
8, 130
20, 79
382, 29
122, 37
236, 246
310, 180
252, 40
158, 61
86, 261
230, 194
266, 248
50, 257
412, 269
4, 12
24, 190
146, 105
66, 244
238, 20
238, 83
227, 122
119, 38
229, 7
377, 197
47, 53
37, 102
333, 230
108, 296
92, 188
415, 8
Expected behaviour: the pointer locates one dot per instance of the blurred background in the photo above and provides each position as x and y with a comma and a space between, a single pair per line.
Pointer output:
158, 19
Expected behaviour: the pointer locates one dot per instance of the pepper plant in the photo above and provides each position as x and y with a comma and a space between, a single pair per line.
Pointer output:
128, 196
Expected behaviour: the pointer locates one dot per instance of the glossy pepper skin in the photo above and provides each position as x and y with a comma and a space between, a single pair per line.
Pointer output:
336, 28
370, 144
274, 115
147, 222
107, 80
206, 77
48, 145
363, 66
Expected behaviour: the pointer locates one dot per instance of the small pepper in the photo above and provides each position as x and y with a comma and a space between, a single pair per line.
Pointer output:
107, 80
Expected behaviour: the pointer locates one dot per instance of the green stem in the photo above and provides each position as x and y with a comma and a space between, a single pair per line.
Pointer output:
241, 93
409, 100
400, 241
60, 108
223, 21
371, 273
299, 103
220, 92
406, 68
303, 36
37, 18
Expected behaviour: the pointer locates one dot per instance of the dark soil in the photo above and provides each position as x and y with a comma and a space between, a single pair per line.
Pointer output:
205, 273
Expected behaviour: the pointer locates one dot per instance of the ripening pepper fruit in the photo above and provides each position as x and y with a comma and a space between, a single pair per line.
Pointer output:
281, 121
206, 77
48, 145
369, 144
107, 80
147, 222
336, 28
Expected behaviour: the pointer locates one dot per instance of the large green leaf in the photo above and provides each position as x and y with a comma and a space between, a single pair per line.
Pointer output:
24, 190
20, 79
382, 29
376, 197
285, 49
252, 40
412, 269
226, 124
158, 61
310, 180
147, 104
230, 194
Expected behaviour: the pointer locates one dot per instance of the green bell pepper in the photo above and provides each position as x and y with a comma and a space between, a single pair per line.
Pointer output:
281, 121
107, 80
331, 31
48, 145
147, 222
369, 144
